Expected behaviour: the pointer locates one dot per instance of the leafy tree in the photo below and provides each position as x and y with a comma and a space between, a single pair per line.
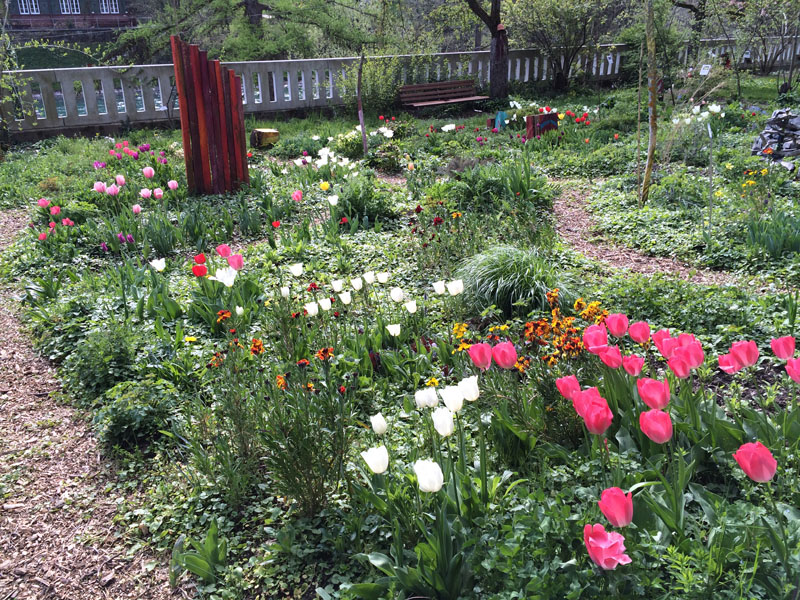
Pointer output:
498, 50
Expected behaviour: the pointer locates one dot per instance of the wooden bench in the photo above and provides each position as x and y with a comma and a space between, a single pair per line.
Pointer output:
440, 92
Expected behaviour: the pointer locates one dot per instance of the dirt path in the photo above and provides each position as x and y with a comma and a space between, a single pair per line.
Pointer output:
57, 538
574, 225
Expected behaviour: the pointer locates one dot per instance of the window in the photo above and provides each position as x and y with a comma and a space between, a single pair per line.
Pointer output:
70, 7
109, 7
28, 7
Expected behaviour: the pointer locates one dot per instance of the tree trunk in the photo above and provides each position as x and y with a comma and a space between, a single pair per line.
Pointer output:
498, 57
360, 105
253, 9
652, 99
478, 36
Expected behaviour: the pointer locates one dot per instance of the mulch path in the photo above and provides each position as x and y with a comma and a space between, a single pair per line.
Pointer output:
57, 502
574, 225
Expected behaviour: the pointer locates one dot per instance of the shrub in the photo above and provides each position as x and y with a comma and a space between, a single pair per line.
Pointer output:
386, 157
134, 412
777, 234
513, 279
359, 197
293, 147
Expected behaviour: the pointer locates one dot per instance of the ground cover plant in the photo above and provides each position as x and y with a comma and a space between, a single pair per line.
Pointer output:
387, 377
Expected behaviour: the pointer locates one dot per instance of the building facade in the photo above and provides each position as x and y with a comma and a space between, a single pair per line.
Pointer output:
54, 17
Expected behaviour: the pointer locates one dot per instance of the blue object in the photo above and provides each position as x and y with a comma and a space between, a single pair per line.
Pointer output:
500, 120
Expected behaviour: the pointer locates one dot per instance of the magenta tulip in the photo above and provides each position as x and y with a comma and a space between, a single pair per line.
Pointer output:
236, 262
617, 324
616, 506
297, 195
505, 355
481, 355
568, 386
606, 548
657, 425
639, 332
783, 347
595, 338
756, 461
654, 393
611, 357
632, 364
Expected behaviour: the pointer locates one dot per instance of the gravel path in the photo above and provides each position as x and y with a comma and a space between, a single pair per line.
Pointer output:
574, 225
57, 537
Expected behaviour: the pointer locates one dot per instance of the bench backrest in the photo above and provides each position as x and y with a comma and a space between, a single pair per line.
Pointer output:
439, 90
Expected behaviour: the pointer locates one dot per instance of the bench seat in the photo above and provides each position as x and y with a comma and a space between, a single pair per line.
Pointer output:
438, 93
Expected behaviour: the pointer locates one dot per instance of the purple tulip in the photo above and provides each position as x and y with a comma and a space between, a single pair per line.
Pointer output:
130, 239
103, 246
121, 237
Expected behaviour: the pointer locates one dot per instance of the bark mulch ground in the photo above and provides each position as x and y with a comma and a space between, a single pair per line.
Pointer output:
57, 502
574, 225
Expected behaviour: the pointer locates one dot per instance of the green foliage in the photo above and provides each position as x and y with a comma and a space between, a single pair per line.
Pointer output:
777, 233
360, 197
380, 81
291, 147
206, 561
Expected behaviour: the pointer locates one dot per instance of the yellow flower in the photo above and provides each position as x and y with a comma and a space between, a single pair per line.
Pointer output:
719, 193
461, 347
561, 116
189, 339
459, 329
750, 182
764, 171
728, 166
324, 186
456, 215
432, 382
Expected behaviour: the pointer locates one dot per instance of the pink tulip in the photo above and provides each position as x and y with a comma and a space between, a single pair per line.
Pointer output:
236, 262
667, 345
172, 184
692, 354
783, 347
729, 364
224, 250
100, 187
43, 236
616, 506
793, 369
505, 355
639, 332
112, 190
597, 415
481, 355
606, 548
660, 335
633, 365
611, 357
595, 338
158, 193
617, 324
657, 425
756, 461
145, 193
120, 179
582, 399
568, 386
54, 210
148, 172
745, 353
297, 195
44, 202
654, 393
136, 209
679, 366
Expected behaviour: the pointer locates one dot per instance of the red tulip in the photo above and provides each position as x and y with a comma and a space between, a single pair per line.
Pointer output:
276, 224
224, 250
745, 353
199, 270
793, 369
505, 355
617, 324
236, 262
639, 332
656, 425
616, 136
481, 355
606, 548
654, 393
783, 347
200, 258
756, 461
616, 506
679, 366
611, 357
632, 364
728, 363
595, 338
568, 386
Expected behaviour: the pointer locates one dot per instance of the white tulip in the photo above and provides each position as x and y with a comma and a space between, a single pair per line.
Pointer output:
429, 475
394, 330
357, 283
225, 276
239, 311
333, 200
383, 277
676, 121
469, 387
397, 294
325, 303
715, 108
159, 264
688, 120
453, 397
284, 292
455, 287
443, 421
411, 306
369, 277
448, 127
379, 425
426, 398
296, 269
438, 287
346, 298
377, 459
695, 110
312, 308
337, 285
